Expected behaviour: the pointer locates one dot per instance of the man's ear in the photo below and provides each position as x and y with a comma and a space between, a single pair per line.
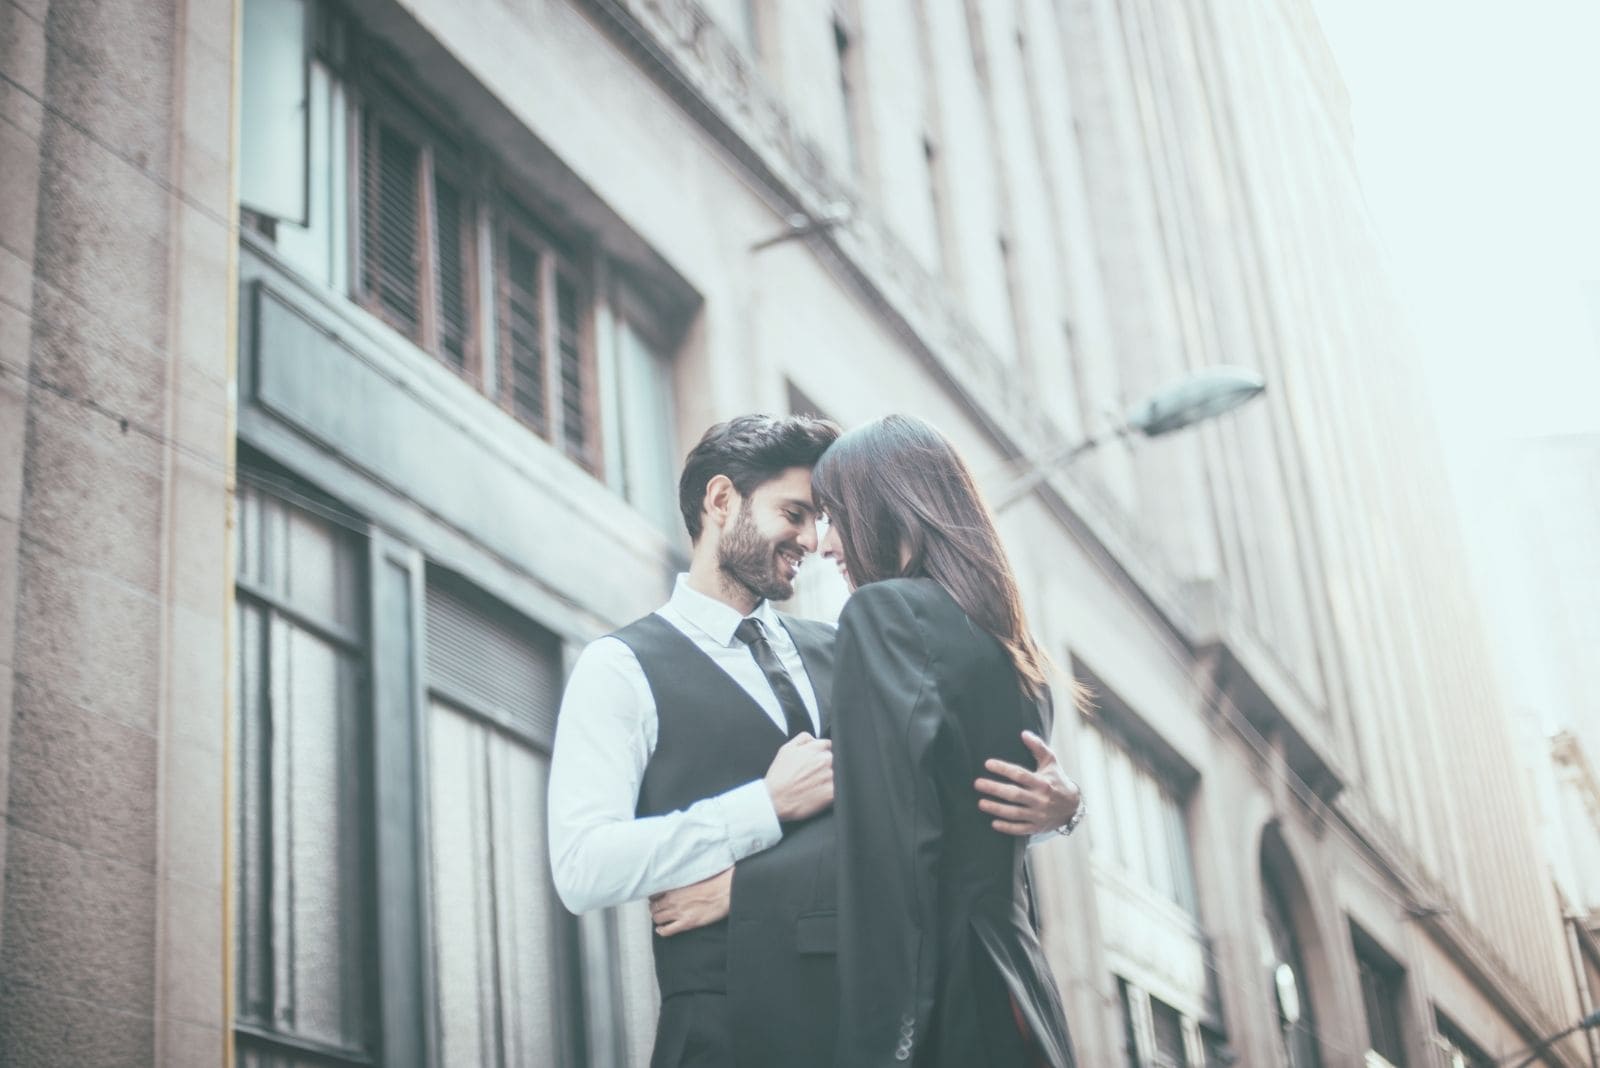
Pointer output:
721, 501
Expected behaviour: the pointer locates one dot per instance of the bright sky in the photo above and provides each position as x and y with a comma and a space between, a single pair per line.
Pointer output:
1478, 139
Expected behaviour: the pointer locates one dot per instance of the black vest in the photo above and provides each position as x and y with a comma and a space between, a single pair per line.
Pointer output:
711, 737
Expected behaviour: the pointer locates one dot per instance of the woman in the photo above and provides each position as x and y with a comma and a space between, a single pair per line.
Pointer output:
938, 963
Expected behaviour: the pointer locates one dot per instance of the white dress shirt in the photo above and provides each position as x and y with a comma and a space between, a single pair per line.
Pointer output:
600, 853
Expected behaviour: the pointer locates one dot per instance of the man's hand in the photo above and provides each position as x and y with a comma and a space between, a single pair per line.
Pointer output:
1033, 801
800, 779
696, 905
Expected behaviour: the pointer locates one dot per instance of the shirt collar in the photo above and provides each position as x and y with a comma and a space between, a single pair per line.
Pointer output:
717, 620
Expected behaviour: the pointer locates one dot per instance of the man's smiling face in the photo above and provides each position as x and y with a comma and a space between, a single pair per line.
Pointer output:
775, 527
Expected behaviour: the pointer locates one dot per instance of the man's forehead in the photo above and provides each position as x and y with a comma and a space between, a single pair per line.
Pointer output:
790, 486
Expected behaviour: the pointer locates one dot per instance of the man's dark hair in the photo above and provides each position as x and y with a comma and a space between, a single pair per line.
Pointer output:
750, 450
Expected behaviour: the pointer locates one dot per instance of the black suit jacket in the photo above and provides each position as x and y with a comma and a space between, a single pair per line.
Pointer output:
934, 942
782, 979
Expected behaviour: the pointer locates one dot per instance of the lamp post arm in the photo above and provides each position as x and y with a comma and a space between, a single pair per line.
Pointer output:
1046, 466
1587, 1023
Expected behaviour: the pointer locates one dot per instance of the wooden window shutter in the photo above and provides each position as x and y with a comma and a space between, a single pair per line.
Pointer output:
452, 220
578, 434
391, 234
522, 334
483, 657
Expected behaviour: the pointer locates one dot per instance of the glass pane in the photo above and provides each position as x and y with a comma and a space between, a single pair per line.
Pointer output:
1091, 775
455, 258
1167, 1028
575, 386
253, 858
1179, 853
499, 931
522, 335
314, 249
1125, 810
1130, 1024
463, 911
648, 436
1158, 865
303, 945
391, 256
635, 970
529, 912
318, 842
319, 564
273, 109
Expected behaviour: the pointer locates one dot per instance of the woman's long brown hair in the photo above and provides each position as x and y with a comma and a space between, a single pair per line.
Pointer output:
897, 484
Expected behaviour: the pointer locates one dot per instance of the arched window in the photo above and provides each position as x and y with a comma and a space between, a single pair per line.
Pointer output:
1287, 976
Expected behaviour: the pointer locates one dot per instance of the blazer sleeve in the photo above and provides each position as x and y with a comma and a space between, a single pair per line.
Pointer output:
888, 714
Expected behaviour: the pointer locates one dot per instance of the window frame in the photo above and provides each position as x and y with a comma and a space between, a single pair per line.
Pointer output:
558, 258
573, 1008
354, 644
1382, 981
373, 104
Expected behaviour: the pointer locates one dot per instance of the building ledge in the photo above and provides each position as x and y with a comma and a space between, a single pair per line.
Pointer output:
1248, 674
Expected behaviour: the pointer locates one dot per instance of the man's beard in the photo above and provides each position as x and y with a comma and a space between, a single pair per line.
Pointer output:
751, 561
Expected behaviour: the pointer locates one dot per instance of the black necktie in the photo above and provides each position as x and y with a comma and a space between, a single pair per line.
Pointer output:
794, 710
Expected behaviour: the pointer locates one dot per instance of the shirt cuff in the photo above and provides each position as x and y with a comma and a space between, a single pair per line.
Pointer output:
751, 820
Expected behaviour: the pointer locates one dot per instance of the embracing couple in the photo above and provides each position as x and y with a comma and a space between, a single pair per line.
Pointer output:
831, 825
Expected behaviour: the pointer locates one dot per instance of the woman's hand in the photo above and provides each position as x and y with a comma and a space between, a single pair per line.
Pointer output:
1031, 802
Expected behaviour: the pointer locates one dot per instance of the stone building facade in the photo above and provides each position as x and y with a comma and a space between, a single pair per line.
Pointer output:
349, 346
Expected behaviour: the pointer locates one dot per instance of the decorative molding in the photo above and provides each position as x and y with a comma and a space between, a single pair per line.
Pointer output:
712, 77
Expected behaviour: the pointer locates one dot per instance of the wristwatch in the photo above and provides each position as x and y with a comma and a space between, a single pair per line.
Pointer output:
1077, 817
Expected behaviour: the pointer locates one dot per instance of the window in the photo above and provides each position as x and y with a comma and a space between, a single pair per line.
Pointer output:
425, 230
1166, 1027
1147, 833
305, 994
1459, 1050
1215, 1046
1381, 983
1288, 974
1133, 1006
1155, 1034
422, 224
505, 951
546, 372
418, 234
275, 85
645, 427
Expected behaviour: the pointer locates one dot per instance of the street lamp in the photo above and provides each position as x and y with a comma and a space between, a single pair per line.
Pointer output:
1200, 396
1588, 1023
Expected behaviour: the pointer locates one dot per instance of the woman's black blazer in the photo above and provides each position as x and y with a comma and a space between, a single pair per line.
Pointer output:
934, 941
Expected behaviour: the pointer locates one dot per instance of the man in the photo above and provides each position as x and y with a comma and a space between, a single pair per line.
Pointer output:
693, 741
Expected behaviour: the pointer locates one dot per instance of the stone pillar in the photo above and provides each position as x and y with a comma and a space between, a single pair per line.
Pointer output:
116, 347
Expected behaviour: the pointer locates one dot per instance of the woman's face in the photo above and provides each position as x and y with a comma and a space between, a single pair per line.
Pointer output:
833, 549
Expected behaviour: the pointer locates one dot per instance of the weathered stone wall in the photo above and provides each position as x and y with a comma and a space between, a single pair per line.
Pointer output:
115, 253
